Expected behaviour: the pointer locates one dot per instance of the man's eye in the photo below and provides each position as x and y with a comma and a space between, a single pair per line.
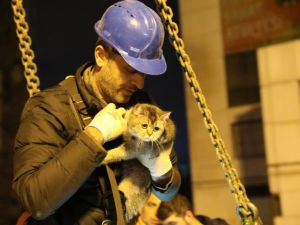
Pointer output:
150, 204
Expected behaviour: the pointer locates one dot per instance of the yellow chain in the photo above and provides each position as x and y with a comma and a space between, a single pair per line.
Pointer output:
30, 68
246, 210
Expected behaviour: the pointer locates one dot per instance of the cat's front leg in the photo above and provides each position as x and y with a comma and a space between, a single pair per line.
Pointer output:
117, 154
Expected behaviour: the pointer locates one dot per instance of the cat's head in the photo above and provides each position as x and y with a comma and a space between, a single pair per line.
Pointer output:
146, 122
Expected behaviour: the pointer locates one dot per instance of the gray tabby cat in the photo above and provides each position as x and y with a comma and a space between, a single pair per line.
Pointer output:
149, 132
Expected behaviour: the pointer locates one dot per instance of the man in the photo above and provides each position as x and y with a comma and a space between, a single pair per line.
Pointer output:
178, 211
66, 131
147, 215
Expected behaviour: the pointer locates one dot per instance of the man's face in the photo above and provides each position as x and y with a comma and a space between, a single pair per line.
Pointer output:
118, 81
174, 220
148, 213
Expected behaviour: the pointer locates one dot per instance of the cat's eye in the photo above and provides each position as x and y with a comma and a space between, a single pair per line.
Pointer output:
156, 128
144, 125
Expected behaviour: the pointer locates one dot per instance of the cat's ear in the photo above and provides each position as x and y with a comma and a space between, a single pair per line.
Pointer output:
165, 116
138, 109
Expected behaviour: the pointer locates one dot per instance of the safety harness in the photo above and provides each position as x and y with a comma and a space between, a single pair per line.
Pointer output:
82, 116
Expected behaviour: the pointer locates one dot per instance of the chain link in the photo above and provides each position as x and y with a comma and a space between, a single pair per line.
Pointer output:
27, 54
245, 209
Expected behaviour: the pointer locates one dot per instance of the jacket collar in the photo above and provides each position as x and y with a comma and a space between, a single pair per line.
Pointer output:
92, 103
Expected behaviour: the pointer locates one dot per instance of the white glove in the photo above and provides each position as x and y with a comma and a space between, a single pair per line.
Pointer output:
110, 122
157, 166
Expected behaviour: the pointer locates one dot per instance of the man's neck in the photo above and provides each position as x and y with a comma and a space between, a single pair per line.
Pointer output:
91, 85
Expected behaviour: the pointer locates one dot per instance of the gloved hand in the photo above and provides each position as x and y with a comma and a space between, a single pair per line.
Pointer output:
110, 122
157, 166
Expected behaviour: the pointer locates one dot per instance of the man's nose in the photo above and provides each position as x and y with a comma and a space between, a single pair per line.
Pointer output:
138, 80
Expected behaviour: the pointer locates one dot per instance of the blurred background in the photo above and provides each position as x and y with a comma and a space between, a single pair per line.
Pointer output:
246, 54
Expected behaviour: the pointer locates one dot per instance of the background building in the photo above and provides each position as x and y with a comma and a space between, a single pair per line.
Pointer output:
246, 57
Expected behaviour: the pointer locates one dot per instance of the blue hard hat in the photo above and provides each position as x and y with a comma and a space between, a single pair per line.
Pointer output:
137, 33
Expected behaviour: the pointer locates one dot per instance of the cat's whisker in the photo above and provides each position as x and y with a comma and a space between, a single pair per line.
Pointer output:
158, 145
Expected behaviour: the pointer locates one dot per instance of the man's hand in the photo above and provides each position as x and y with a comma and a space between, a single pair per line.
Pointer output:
110, 122
157, 166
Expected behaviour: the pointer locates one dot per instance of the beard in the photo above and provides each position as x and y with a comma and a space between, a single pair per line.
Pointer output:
112, 90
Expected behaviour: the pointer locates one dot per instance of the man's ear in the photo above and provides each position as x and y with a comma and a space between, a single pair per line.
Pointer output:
188, 216
100, 55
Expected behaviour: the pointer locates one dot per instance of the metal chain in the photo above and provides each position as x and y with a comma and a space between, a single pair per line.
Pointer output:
245, 209
27, 55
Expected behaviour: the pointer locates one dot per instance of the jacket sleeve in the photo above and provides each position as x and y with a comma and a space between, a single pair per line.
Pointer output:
49, 167
167, 186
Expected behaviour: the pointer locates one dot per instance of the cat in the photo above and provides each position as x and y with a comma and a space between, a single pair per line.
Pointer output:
149, 131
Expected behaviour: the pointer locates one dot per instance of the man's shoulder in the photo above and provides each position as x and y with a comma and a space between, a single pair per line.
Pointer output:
52, 98
56, 91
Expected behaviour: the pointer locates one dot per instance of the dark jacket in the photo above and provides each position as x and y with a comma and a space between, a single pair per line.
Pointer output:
56, 163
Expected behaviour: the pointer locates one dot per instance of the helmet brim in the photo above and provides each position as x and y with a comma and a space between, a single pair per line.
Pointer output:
146, 66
